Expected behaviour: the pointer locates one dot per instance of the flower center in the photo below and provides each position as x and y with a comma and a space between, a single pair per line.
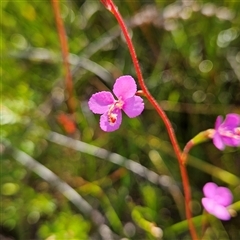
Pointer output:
113, 111
237, 131
112, 118
233, 133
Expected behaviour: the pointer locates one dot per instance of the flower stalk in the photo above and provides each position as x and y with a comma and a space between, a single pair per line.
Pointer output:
64, 47
186, 186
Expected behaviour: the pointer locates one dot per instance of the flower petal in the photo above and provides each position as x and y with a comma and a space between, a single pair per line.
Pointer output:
99, 102
223, 196
125, 87
106, 126
217, 141
218, 122
233, 141
221, 212
208, 204
215, 209
133, 106
232, 120
209, 189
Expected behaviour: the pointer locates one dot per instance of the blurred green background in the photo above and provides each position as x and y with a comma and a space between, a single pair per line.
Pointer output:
189, 52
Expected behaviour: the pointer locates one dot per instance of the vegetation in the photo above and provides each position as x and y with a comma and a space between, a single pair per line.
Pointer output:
62, 177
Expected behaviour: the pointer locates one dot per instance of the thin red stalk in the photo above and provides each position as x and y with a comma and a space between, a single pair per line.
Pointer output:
111, 7
186, 150
65, 53
141, 81
199, 138
187, 194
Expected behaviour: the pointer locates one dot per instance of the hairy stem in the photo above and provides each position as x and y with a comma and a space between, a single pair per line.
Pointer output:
112, 8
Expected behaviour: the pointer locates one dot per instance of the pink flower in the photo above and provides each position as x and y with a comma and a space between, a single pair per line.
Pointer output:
105, 104
227, 132
216, 200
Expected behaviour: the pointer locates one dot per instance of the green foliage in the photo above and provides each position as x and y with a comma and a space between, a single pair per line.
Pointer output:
190, 57
65, 226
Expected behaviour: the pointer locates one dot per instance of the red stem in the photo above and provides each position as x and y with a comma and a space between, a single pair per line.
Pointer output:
64, 48
111, 7
186, 150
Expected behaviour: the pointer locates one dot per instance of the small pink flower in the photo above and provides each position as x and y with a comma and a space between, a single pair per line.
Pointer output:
227, 132
216, 200
105, 104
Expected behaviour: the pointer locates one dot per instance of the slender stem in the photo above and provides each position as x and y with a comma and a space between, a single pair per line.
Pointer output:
186, 150
204, 223
65, 53
199, 138
141, 81
112, 8
187, 194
